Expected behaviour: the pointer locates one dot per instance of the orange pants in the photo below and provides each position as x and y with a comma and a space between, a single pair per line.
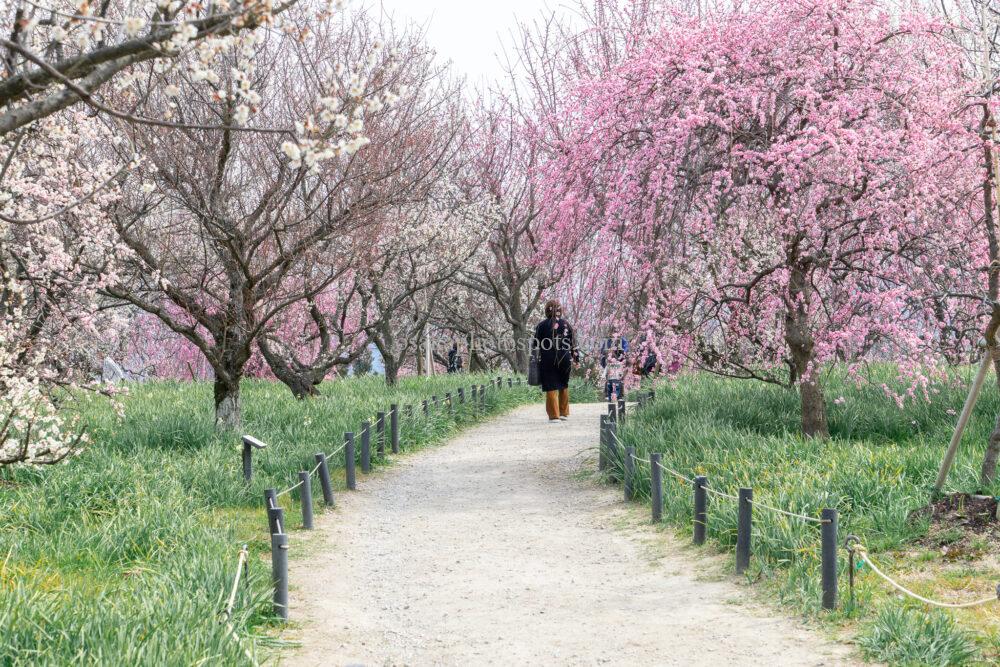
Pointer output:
557, 403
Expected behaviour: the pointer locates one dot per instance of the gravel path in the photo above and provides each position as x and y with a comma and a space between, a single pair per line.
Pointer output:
493, 550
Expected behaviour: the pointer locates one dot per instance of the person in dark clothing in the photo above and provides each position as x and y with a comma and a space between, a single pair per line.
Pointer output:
557, 351
454, 360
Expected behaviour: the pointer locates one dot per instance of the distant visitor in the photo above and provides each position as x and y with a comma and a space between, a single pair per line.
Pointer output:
554, 351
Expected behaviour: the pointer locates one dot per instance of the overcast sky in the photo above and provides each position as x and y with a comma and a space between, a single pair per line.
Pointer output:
468, 32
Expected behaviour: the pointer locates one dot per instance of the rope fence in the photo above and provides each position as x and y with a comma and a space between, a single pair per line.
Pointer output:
387, 432
616, 454
854, 546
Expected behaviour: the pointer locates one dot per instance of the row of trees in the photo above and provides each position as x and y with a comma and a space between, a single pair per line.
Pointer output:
767, 188
756, 189
239, 187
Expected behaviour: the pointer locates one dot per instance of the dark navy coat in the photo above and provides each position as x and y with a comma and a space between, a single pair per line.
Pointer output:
556, 347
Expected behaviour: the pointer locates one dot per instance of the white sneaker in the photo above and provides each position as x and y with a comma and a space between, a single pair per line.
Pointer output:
563, 418
556, 421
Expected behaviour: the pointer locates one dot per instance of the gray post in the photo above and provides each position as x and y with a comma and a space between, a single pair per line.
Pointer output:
270, 503
510, 383
613, 411
409, 412
744, 526
700, 509
250, 443
394, 427
247, 461
306, 498
482, 398
425, 408
828, 540
614, 454
621, 409
324, 479
461, 395
656, 486
447, 398
602, 449
366, 447
380, 432
279, 574
629, 473
352, 483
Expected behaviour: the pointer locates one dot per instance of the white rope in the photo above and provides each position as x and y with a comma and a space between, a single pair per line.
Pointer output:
228, 613
675, 473
289, 489
640, 459
934, 603
720, 493
786, 513
316, 467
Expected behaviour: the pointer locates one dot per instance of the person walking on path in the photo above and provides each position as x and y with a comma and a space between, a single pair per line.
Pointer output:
557, 351
614, 375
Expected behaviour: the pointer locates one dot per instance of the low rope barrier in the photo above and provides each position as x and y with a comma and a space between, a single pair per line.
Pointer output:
388, 431
241, 565
794, 515
862, 552
289, 489
720, 493
745, 502
675, 473
227, 613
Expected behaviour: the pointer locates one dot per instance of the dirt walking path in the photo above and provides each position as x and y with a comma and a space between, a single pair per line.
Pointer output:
493, 550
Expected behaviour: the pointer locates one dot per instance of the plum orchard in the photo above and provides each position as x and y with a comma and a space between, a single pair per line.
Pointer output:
238, 188
789, 180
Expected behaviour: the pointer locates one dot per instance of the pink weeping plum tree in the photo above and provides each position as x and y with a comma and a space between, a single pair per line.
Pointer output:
785, 178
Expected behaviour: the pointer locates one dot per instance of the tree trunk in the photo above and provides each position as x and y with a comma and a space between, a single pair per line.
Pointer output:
391, 369
988, 471
521, 339
801, 345
227, 404
813, 407
302, 382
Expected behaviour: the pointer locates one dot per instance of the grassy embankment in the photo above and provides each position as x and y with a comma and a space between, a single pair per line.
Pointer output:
878, 466
123, 555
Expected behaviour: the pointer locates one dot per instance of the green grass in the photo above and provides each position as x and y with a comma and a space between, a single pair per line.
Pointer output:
910, 637
878, 465
124, 554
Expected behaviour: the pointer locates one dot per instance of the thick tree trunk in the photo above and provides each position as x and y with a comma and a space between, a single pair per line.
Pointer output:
227, 405
813, 405
801, 345
391, 369
303, 383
